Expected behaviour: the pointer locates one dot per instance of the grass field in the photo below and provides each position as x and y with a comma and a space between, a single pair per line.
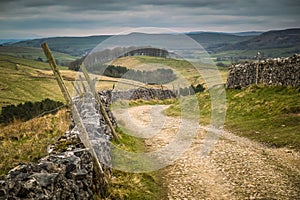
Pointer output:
268, 114
32, 53
127, 185
27, 80
24, 80
182, 68
23, 142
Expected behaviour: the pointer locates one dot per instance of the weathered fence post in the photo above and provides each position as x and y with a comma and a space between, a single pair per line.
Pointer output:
57, 75
256, 77
99, 102
73, 108
77, 89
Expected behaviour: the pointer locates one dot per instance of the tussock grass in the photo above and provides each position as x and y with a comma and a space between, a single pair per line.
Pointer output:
125, 185
270, 115
23, 142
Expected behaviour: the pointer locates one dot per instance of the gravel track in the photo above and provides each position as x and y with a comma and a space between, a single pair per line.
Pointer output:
237, 168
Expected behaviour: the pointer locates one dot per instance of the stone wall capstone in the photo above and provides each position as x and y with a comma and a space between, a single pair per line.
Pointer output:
279, 71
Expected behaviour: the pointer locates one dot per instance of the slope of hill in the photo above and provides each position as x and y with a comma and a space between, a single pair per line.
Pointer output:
76, 46
248, 33
2, 41
211, 41
24, 80
184, 69
271, 39
34, 53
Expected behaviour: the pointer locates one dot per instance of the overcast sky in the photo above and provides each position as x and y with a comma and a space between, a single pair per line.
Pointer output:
33, 18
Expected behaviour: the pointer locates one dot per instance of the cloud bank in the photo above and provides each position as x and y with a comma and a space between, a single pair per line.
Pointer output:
30, 18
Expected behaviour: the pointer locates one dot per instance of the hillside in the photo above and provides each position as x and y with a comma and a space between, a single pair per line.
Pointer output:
248, 33
35, 53
211, 40
28, 80
231, 46
78, 46
268, 40
24, 80
184, 69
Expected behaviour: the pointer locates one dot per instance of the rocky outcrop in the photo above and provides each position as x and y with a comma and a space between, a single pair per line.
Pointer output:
280, 71
133, 94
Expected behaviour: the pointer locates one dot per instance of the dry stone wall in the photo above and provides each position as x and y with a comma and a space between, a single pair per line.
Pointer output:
141, 93
63, 174
279, 71
68, 171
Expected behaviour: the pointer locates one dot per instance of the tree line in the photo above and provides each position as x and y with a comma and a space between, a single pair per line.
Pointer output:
28, 110
158, 76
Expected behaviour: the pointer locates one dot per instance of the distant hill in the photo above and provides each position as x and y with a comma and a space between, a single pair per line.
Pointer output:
268, 40
2, 41
37, 54
286, 41
211, 40
248, 33
245, 33
76, 46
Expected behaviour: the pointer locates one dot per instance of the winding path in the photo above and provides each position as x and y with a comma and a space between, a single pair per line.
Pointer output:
237, 168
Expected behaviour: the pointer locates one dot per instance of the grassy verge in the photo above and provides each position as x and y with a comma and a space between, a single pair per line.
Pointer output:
270, 115
125, 185
28, 141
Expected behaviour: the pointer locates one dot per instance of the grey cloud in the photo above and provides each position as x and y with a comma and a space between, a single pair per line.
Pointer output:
119, 5
232, 7
83, 14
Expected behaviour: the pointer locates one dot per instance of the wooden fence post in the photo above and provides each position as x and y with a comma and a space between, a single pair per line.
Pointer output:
57, 75
256, 75
73, 108
99, 102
